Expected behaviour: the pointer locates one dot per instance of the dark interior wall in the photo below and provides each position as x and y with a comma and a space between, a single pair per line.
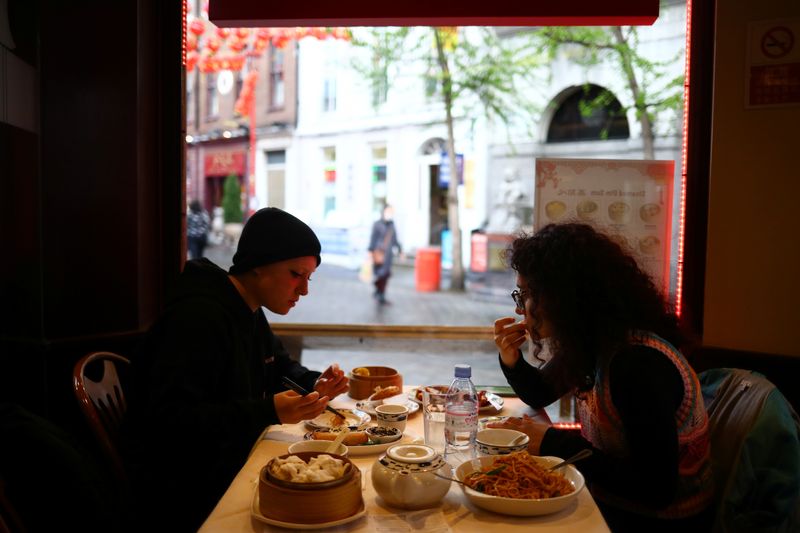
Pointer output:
91, 203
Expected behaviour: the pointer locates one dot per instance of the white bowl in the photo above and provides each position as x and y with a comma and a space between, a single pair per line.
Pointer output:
497, 441
517, 506
317, 446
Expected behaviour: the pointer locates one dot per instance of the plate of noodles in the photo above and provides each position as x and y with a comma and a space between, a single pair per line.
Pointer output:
519, 484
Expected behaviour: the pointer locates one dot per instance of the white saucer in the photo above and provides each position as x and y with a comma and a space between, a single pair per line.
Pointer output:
255, 512
369, 407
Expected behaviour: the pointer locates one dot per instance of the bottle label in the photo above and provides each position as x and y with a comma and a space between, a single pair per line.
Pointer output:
461, 421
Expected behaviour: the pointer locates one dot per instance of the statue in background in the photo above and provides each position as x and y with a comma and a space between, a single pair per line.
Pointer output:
508, 211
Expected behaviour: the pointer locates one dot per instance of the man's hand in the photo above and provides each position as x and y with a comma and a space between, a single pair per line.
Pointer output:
292, 408
332, 382
509, 336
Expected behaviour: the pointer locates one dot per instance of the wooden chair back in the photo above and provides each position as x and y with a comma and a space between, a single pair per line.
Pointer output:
102, 401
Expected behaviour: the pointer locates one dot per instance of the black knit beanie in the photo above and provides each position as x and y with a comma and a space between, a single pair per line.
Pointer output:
273, 235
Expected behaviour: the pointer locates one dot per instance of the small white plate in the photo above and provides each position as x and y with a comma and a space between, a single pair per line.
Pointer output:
412, 397
412, 394
369, 407
355, 417
255, 512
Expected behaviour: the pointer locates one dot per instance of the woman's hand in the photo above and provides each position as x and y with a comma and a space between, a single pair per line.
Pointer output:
534, 430
292, 408
332, 382
509, 336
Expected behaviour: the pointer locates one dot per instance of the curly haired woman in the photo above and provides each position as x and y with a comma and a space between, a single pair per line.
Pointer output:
612, 341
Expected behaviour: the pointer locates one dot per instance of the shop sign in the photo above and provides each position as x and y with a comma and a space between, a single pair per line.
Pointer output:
224, 163
444, 170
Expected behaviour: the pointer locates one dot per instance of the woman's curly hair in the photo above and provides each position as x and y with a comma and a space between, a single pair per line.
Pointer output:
594, 295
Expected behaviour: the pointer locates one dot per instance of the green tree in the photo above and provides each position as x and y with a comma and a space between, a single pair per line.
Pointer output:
232, 199
469, 67
647, 81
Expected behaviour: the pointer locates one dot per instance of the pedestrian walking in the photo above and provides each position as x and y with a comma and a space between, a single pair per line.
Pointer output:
382, 244
198, 224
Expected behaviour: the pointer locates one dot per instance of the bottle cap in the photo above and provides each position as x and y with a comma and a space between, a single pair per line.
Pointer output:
463, 371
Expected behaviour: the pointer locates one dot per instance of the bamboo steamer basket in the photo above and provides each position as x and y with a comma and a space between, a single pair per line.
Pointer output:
362, 387
310, 503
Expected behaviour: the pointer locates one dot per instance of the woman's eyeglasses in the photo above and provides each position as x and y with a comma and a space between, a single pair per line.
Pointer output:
519, 298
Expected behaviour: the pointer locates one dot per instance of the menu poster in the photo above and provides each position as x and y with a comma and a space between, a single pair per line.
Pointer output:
631, 200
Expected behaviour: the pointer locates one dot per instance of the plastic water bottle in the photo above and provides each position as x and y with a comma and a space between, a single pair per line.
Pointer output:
461, 414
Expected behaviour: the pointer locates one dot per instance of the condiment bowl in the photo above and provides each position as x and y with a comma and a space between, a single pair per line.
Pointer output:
320, 446
500, 441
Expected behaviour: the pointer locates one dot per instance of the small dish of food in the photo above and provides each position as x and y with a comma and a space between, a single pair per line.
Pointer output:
381, 435
415, 395
489, 402
354, 419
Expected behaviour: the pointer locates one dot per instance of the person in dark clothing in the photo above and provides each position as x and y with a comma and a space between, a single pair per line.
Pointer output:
382, 243
207, 379
49, 477
611, 336
198, 224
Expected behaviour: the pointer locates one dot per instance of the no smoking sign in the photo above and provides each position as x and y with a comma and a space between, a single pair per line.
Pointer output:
773, 63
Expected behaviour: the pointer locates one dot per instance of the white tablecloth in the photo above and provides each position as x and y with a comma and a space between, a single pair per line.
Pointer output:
455, 513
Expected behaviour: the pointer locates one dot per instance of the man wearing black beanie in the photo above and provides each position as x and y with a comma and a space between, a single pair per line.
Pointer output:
207, 380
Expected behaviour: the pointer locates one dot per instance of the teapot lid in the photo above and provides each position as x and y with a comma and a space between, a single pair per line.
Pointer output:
410, 458
412, 453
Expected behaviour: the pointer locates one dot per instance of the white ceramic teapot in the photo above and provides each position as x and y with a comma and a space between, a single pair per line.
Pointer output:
405, 476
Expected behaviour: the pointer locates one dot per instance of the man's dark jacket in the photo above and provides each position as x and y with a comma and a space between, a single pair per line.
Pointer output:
202, 394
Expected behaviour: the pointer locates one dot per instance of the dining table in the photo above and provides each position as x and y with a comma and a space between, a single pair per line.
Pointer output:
235, 511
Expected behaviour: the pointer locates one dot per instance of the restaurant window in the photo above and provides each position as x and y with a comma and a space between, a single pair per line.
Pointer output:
329, 93
277, 83
327, 148
212, 98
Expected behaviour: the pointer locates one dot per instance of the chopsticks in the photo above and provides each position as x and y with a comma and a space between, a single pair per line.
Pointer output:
300, 390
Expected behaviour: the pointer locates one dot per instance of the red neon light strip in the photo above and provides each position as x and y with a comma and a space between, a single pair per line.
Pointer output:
183, 33
684, 149
567, 425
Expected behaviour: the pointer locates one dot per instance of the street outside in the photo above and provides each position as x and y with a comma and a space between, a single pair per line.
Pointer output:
337, 296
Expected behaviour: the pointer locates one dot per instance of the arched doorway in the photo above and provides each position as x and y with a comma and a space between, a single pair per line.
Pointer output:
587, 113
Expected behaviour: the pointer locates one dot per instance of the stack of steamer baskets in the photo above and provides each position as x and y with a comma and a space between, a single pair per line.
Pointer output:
310, 503
364, 380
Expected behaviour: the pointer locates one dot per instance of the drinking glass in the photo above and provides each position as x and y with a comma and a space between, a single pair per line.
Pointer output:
433, 409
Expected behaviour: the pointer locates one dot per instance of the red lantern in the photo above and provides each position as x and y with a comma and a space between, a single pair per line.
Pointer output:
237, 45
223, 33
263, 34
242, 33
279, 40
197, 27
191, 60
237, 62
213, 44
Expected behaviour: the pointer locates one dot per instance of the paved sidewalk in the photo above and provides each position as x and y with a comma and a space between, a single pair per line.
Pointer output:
337, 296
